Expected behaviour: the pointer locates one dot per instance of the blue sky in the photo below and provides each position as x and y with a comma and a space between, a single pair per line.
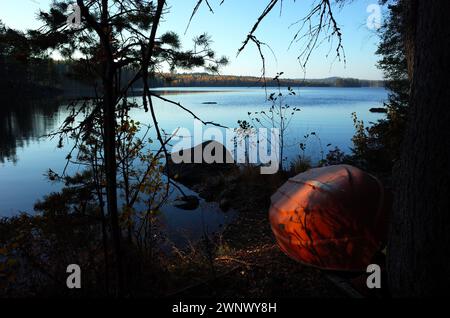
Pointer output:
231, 22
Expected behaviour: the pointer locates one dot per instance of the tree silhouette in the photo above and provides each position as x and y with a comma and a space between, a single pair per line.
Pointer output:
114, 36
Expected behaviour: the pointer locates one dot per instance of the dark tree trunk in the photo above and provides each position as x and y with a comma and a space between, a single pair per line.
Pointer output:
109, 118
419, 247
111, 168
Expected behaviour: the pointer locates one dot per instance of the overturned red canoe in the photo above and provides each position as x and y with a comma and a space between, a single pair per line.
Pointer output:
331, 217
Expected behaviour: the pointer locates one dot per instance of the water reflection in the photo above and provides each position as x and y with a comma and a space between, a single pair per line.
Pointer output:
22, 120
26, 154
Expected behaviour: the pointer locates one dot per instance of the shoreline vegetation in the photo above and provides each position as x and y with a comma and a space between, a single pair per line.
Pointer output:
242, 260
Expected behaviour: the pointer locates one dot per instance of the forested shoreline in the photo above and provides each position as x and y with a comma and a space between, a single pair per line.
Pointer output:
209, 80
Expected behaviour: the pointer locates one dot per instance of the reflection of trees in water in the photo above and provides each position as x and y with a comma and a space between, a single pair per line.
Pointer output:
23, 120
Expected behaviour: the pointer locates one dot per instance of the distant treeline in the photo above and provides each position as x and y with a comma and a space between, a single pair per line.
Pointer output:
24, 70
204, 79
44, 76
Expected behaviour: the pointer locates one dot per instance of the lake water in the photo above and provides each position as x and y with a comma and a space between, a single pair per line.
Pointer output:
25, 155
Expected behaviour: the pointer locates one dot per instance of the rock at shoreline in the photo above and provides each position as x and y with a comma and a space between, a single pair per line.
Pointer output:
189, 202
190, 173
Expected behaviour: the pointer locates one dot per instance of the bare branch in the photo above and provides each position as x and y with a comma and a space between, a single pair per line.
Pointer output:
266, 11
187, 110
194, 11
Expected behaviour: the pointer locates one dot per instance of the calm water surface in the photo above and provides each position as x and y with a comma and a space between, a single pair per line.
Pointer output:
25, 155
